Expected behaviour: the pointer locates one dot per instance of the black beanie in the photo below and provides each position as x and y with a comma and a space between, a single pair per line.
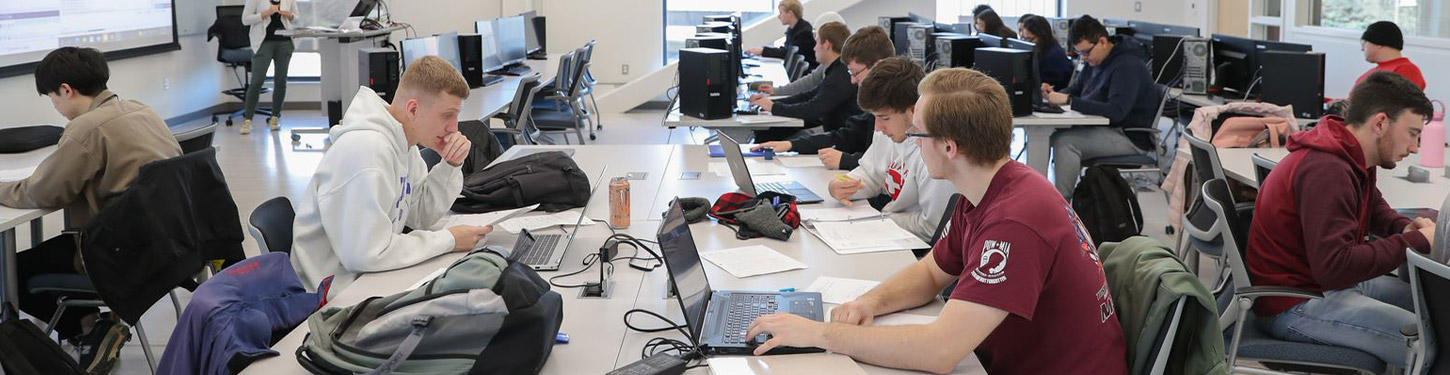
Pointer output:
1384, 33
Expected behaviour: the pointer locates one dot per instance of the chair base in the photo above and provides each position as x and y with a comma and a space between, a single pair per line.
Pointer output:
238, 113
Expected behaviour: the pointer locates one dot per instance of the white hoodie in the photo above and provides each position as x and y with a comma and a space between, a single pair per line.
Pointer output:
370, 184
896, 169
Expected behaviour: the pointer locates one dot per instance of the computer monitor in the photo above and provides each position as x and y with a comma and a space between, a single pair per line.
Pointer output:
1034, 77
448, 49
512, 43
920, 18
1145, 31
959, 28
992, 40
363, 8
416, 48
1236, 62
531, 34
488, 32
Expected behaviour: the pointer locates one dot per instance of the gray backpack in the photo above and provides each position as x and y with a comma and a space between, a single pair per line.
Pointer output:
483, 315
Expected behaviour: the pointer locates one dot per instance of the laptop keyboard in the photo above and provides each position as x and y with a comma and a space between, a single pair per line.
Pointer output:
744, 308
537, 253
778, 187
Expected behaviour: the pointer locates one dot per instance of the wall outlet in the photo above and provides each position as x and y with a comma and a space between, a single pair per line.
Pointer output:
166, 84
624, 69
1138, 6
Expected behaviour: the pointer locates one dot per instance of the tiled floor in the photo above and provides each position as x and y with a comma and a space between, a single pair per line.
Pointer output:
264, 165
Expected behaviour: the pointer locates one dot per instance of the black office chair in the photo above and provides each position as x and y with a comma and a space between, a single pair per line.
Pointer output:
195, 138
234, 49
519, 114
1262, 167
271, 225
571, 118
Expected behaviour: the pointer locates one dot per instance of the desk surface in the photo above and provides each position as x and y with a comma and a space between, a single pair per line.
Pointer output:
600, 341
307, 33
1069, 118
14, 217
1398, 191
484, 102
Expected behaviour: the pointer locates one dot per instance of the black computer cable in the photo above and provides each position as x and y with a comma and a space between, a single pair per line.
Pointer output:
688, 351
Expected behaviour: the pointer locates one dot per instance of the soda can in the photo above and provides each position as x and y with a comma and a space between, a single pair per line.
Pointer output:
618, 203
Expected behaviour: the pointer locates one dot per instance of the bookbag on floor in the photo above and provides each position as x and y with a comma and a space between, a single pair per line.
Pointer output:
1107, 205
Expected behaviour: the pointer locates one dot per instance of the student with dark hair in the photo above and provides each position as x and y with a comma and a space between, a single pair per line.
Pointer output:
1054, 66
1115, 84
979, 9
988, 22
1315, 212
830, 104
100, 153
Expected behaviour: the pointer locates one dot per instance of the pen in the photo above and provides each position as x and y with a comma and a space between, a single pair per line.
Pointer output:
787, 290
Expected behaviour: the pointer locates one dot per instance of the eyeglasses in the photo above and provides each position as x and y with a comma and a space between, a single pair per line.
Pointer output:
1088, 51
917, 135
855, 73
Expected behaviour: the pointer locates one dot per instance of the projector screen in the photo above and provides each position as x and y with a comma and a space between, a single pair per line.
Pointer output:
120, 28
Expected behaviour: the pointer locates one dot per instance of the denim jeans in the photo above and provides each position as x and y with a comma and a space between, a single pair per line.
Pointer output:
1367, 317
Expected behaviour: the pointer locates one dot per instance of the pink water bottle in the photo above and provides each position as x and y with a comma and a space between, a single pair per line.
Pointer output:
1432, 140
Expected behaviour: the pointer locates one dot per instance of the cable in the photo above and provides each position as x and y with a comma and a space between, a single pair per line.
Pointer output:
688, 351
1250, 91
588, 261
1176, 49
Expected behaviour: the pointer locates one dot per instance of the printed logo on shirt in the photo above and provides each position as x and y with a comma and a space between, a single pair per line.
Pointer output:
1084, 240
993, 266
897, 171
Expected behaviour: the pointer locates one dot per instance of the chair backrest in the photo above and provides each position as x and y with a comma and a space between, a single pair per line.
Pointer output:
271, 225
232, 35
566, 68
1428, 280
525, 120
789, 58
521, 98
1218, 198
576, 83
196, 139
1262, 167
1166, 338
1205, 159
942, 225
801, 67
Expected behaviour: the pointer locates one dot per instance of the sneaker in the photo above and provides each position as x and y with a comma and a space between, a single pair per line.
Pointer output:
272, 121
101, 347
246, 127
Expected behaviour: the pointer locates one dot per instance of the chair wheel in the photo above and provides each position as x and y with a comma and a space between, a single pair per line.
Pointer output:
229, 122
593, 137
1168, 229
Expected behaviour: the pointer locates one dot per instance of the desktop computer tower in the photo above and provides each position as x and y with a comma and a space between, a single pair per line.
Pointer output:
919, 42
954, 51
1012, 68
707, 84
1197, 53
709, 40
379, 70
1060, 27
470, 54
539, 32
1294, 79
889, 24
901, 36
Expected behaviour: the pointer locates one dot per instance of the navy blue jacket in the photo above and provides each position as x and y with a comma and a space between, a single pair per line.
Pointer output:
852, 140
1121, 89
831, 104
1055, 68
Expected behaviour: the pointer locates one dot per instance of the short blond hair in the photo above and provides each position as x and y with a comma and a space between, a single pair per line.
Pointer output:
432, 75
793, 6
971, 109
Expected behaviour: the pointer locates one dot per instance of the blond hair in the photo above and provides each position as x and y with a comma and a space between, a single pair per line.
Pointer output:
793, 6
432, 75
971, 109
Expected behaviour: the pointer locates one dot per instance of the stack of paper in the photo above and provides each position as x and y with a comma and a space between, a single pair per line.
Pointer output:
490, 218
839, 291
756, 169
854, 237
801, 162
816, 363
561, 218
859, 211
751, 261
8, 175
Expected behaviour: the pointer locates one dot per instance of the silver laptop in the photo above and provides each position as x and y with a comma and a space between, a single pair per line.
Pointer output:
545, 252
736, 160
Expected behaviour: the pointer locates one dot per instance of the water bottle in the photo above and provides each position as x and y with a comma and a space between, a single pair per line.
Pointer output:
1432, 140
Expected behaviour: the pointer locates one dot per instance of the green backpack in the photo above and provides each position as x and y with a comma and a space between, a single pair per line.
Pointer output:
483, 315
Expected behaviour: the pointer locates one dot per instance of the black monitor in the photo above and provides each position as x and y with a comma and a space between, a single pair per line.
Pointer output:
1162, 29
920, 18
492, 58
992, 40
512, 42
959, 28
1236, 62
531, 33
686, 272
1034, 78
363, 8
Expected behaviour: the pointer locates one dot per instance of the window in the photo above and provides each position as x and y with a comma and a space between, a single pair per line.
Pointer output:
960, 11
1427, 18
306, 64
681, 16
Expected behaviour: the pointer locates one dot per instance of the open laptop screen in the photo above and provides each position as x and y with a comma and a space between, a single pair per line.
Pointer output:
687, 275
736, 160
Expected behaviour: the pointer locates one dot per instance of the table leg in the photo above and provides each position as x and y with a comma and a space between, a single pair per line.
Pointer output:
1039, 147
37, 232
10, 290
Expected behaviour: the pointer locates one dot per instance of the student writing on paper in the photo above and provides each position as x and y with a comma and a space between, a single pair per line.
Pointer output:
1032, 297
893, 167
373, 182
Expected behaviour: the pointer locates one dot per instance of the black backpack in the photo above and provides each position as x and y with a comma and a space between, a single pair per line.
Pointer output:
550, 179
26, 138
25, 350
1107, 205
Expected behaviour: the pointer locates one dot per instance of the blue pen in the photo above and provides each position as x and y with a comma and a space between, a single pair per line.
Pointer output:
561, 338
787, 290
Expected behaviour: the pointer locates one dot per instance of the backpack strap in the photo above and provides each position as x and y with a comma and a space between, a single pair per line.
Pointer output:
405, 348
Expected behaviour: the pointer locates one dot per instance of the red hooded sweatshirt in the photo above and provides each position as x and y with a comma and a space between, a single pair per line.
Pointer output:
1312, 217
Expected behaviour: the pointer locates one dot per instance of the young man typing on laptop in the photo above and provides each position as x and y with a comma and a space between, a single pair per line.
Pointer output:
1030, 279
372, 182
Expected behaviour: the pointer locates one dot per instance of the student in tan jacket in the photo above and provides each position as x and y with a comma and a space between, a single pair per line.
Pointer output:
101, 151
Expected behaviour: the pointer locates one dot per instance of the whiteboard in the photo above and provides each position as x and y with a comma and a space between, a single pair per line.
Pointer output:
195, 16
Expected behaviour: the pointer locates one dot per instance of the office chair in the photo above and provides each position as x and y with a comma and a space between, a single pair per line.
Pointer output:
271, 225
942, 225
789, 59
1147, 162
588, 89
1427, 275
1262, 167
571, 118
195, 139
234, 49
1199, 231
801, 68
1245, 340
518, 118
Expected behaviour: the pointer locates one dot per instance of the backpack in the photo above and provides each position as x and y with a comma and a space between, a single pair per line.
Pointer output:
1107, 205
1252, 131
27, 138
482, 315
25, 350
550, 179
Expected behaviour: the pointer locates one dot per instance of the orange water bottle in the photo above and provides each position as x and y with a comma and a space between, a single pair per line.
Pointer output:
618, 203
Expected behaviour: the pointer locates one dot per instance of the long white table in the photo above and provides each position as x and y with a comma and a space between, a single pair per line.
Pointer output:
1398, 191
1039, 128
10, 218
600, 341
484, 102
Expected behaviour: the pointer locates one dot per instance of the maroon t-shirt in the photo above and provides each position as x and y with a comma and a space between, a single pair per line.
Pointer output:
1023, 250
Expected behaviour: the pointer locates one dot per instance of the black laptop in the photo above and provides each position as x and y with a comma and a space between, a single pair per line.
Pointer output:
719, 319
735, 158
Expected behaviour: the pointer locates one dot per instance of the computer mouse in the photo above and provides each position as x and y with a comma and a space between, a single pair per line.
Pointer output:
760, 339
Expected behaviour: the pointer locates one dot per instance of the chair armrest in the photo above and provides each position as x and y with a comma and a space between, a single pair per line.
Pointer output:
1141, 130
1254, 292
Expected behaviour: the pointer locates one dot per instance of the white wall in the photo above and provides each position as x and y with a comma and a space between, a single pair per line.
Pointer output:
1175, 12
196, 82
629, 32
1344, 62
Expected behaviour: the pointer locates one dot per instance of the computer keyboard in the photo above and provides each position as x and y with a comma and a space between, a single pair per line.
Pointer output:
773, 186
538, 251
490, 80
517, 70
744, 308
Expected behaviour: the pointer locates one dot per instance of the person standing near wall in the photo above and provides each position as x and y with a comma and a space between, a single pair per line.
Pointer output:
267, 17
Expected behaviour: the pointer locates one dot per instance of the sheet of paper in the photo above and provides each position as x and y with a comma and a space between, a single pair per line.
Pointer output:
430, 276
815, 363
8, 175
756, 168
901, 319
808, 161
760, 119
490, 218
852, 237
858, 212
838, 290
536, 222
1068, 114
750, 261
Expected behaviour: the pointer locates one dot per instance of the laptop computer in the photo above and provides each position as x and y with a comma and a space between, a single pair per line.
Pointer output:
736, 160
545, 252
718, 320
